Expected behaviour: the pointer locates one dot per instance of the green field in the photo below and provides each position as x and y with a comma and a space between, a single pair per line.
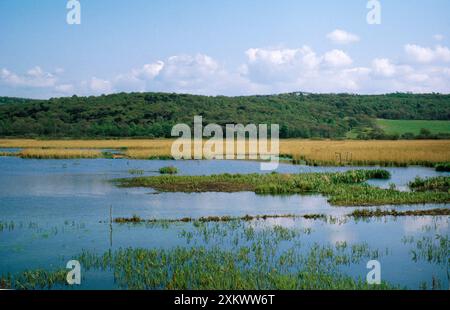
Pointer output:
413, 126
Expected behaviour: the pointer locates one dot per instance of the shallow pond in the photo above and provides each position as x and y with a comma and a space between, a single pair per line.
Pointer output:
51, 210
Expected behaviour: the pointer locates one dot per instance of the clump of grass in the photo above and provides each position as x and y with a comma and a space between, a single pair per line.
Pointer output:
437, 184
136, 171
443, 167
168, 170
160, 157
315, 216
432, 249
380, 213
133, 219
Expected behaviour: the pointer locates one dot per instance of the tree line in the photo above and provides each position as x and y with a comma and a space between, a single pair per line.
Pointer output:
152, 115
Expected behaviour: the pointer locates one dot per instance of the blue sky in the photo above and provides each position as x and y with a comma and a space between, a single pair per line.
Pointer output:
230, 47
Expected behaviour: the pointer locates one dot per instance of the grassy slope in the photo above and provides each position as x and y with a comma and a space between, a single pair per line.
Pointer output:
413, 126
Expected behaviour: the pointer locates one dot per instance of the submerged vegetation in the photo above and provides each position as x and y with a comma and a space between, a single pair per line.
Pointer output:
256, 258
34, 279
343, 189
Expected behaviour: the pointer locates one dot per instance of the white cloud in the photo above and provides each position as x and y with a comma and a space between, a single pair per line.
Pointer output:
285, 70
337, 58
426, 54
280, 65
438, 37
340, 36
66, 89
265, 70
199, 74
100, 86
442, 53
149, 71
383, 67
273, 56
35, 77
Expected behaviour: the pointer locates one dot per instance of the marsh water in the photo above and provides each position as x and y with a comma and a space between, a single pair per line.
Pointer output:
52, 210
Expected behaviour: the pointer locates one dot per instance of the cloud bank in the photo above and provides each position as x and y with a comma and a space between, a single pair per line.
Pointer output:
263, 71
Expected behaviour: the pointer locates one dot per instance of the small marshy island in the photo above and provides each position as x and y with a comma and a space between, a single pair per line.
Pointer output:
342, 189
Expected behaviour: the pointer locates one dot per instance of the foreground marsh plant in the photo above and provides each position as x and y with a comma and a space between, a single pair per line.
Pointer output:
253, 266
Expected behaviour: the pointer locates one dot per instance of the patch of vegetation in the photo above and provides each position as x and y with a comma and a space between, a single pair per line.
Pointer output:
380, 213
133, 219
168, 170
443, 167
437, 184
136, 171
50, 153
343, 189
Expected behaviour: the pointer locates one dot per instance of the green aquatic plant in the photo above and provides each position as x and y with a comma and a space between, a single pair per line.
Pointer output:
34, 279
136, 171
437, 184
433, 249
133, 219
443, 167
168, 170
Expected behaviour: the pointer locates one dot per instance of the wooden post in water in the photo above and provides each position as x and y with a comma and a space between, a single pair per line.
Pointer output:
110, 226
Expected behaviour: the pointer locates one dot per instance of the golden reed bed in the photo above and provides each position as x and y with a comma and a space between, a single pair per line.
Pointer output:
403, 152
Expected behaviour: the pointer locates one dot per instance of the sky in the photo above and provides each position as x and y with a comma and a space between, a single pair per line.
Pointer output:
226, 47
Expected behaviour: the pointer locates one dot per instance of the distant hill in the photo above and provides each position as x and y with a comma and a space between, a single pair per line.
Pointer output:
300, 115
